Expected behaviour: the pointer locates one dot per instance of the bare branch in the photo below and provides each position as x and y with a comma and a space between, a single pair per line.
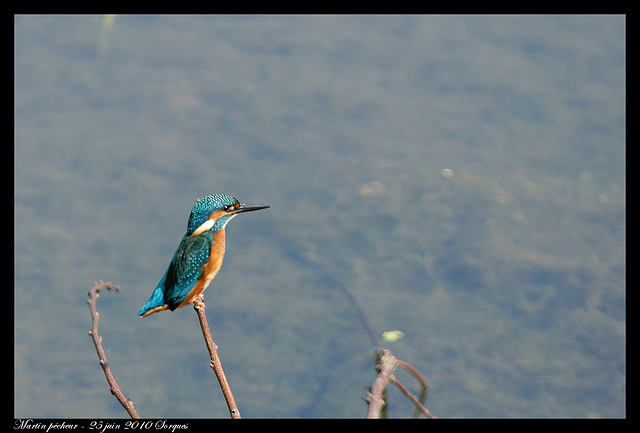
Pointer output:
97, 341
387, 364
216, 365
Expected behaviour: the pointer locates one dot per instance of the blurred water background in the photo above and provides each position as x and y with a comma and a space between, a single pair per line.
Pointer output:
461, 177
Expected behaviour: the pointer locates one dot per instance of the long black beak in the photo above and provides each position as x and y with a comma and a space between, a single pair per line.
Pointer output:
249, 207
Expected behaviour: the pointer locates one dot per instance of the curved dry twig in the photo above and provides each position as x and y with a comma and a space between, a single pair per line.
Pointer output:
97, 341
424, 388
413, 398
216, 365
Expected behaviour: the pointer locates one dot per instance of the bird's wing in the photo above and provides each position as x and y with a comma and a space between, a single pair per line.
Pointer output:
186, 268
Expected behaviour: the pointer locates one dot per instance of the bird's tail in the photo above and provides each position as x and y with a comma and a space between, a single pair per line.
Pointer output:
155, 303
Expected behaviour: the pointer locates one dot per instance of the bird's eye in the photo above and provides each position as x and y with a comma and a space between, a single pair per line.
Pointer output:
231, 207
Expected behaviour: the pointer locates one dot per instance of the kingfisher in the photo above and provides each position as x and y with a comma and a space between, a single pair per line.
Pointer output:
199, 255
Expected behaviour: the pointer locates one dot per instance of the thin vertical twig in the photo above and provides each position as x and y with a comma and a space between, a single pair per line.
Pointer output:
97, 341
216, 365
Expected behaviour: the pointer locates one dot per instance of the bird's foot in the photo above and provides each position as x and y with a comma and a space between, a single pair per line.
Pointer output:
199, 302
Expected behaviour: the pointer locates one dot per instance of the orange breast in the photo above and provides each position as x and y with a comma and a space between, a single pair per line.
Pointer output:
210, 269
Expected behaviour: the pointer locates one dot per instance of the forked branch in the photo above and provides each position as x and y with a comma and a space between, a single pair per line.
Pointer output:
387, 364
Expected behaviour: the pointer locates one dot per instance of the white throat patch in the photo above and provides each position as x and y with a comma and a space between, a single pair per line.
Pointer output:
203, 228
